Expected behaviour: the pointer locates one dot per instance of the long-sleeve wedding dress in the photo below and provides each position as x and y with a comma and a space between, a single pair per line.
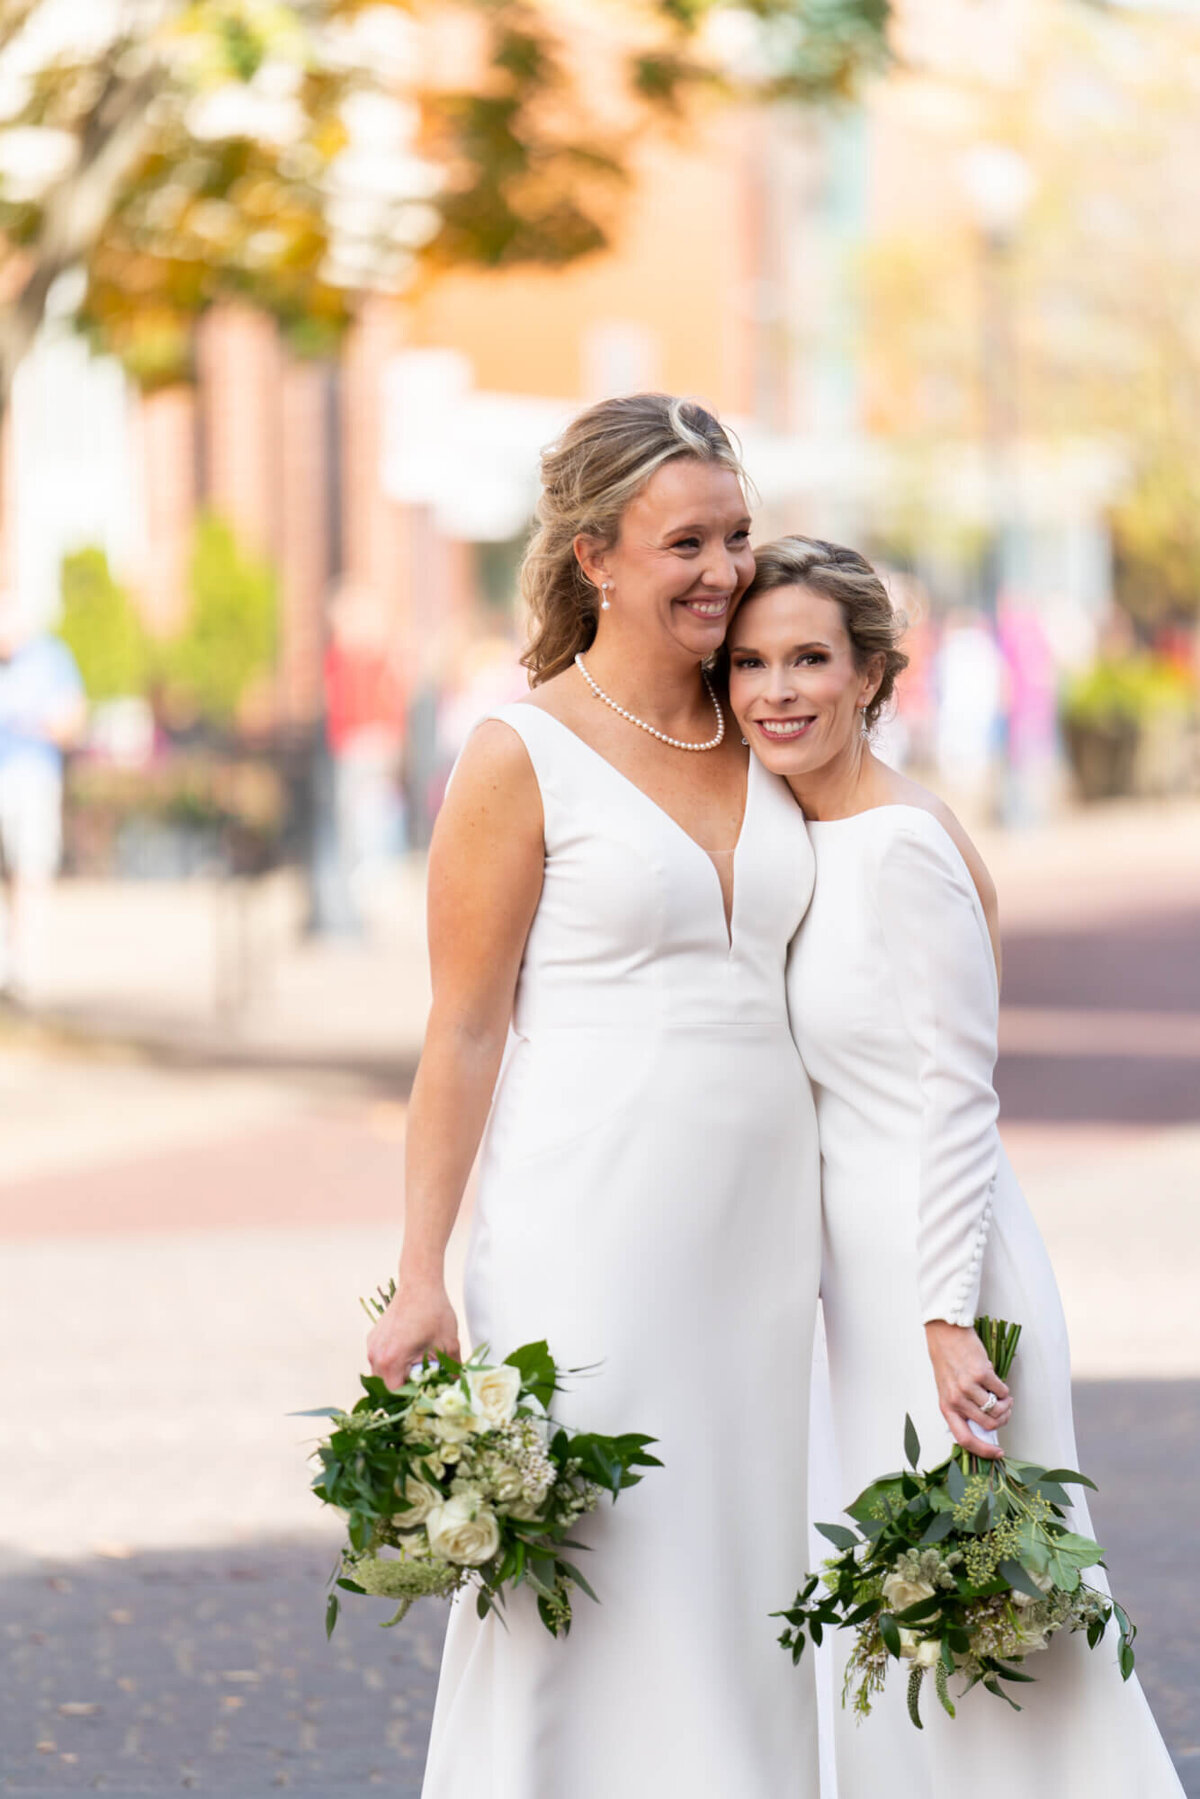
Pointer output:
893, 998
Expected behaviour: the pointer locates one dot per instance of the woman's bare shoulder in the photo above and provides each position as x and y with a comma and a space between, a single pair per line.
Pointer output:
494, 769
561, 696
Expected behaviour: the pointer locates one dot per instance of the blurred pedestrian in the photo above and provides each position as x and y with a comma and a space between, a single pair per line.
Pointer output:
1032, 688
364, 713
42, 714
970, 702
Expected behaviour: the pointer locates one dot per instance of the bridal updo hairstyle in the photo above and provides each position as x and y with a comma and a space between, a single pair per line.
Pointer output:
872, 623
600, 463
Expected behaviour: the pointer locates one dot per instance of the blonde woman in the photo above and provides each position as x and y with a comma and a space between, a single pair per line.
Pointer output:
612, 888
893, 989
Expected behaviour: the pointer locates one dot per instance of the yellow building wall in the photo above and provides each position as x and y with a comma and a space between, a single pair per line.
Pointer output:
679, 271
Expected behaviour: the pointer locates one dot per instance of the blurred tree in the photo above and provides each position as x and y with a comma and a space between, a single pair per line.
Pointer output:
1156, 535
1103, 275
299, 151
103, 629
228, 640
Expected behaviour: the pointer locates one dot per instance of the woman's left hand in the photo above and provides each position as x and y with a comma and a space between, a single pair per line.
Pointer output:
964, 1378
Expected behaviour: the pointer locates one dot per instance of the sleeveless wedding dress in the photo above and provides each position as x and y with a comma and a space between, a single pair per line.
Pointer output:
893, 998
649, 1202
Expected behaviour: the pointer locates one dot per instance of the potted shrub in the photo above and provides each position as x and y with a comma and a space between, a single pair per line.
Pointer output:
1106, 711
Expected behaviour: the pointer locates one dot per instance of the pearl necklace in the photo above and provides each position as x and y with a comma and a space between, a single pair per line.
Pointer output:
676, 743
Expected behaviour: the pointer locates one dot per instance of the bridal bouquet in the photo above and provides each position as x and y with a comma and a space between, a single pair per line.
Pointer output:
962, 1571
462, 1477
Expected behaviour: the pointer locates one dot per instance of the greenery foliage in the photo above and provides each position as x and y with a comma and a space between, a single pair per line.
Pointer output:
1127, 690
227, 643
229, 638
962, 1571
102, 628
1156, 536
213, 147
462, 1476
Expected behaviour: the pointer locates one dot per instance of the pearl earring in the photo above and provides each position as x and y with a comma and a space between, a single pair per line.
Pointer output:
746, 740
606, 603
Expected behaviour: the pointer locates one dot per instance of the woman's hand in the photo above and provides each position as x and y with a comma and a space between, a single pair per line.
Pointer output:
964, 1378
418, 1321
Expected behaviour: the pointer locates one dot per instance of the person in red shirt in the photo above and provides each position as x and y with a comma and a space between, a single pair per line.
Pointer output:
364, 726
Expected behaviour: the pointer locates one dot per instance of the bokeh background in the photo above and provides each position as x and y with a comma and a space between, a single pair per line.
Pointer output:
291, 296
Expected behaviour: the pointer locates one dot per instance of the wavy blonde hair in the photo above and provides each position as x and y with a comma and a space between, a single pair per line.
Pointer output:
601, 462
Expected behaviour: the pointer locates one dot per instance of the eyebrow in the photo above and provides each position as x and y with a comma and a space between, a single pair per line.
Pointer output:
796, 648
742, 523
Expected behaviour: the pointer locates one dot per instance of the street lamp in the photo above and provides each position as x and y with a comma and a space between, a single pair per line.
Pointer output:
999, 184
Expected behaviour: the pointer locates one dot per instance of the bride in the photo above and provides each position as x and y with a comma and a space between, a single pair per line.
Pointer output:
612, 888
893, 993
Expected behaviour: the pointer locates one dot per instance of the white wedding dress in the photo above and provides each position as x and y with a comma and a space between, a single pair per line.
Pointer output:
649, 1202
893, 998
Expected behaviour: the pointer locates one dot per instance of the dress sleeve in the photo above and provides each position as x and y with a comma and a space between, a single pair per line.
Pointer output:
942, 962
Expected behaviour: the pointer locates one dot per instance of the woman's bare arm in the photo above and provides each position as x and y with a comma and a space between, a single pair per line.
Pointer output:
485, 877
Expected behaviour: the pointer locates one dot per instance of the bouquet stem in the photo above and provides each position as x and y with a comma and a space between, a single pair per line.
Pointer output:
1000, 1339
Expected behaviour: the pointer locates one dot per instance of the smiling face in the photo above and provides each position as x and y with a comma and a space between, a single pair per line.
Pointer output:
682, 559
794, 684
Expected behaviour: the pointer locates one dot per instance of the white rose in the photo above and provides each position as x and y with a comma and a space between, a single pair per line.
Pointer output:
901, 1593
529, 1511
421, 1497
928, 1653
494, 1394
463, 1531
908, 1642
506, 1484
1043, 1582
453, 1419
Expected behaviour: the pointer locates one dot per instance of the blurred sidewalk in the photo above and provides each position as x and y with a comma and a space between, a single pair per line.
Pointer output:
218, 971
224, 971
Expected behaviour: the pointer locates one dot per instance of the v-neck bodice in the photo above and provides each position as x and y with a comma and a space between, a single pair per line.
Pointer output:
631, 926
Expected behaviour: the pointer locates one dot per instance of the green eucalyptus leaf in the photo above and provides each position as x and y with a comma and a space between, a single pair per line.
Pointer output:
912, 1442
1083, 1550
1070, 1478
1019, 1580
839, 1535
572, 1573
924, 1608
991, 1685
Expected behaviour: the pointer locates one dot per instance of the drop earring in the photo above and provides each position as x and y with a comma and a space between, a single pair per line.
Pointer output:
864, 727
605, 603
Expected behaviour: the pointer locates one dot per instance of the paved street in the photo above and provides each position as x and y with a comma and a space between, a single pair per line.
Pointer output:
183, 1242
